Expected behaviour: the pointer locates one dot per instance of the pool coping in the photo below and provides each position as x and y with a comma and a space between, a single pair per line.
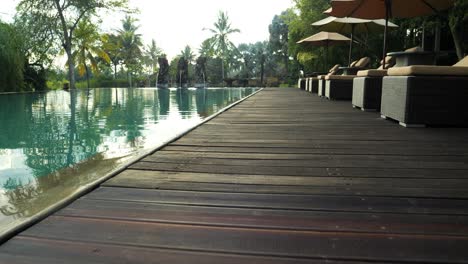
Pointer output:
7, 235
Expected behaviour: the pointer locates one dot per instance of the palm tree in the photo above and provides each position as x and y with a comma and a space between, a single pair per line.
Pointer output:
152, 53
112, 45
88, 48
220, 40
188, 54
131, 46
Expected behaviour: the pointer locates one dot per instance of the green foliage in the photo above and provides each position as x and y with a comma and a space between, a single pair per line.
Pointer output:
132, 45
219, 42
12, 60
61, 17
458, 21
151, 55
88, 48
188, 54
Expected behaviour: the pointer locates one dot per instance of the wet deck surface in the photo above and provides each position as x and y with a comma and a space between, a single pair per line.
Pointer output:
284, 177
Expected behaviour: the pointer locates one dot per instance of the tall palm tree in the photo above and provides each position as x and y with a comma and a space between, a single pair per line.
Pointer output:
88, 48
220, 39
152, 53
112, 45
188, 54
131, 46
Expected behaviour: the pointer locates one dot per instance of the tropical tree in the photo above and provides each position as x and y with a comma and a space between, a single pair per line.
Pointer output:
112, 45
63, 17
88, 44
458, 21
11, 59
220, 42
132, 44
39, 45
152, 53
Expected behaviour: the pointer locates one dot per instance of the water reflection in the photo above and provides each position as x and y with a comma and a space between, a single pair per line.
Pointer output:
51, 144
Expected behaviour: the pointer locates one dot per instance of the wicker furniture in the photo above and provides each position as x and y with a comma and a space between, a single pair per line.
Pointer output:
316, 82
301, 83
426, 95
367, 87
340, 87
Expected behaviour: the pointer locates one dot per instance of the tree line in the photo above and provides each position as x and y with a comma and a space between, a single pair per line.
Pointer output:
44, 30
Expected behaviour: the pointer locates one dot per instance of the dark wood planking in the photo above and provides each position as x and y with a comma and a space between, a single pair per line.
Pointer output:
462, 159
321, 162
303, 171
288, 189
30, 250
270, 242
287, 202
129, 177
269, 218
354, 149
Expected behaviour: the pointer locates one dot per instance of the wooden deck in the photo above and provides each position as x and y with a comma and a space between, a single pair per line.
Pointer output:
284, 177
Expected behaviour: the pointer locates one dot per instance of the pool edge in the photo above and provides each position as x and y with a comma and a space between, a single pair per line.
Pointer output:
6, 236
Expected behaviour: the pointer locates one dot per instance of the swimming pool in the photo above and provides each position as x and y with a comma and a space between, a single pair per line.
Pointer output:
52, 144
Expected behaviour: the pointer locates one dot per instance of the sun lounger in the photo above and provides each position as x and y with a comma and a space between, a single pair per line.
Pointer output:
340, 87
427, 95
314, 82
367, 87
301, 83
413, 56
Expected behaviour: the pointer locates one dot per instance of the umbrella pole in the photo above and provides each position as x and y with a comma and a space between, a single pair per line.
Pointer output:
326, 57
351, 45
388, 4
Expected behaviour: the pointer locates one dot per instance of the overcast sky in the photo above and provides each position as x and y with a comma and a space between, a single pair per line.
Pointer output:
177, 23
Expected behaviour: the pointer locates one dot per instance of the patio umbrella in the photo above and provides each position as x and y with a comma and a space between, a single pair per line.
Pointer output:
375, 9
350, 25
325, 39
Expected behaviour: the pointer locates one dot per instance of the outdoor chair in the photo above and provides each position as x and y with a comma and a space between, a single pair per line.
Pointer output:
313, 82
422, 95
340, 87
301, 83
367, 86
413, 56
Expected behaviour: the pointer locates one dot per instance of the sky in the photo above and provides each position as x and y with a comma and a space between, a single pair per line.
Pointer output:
177, 23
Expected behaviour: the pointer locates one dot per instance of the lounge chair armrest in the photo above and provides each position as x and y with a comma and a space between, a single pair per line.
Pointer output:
351, 70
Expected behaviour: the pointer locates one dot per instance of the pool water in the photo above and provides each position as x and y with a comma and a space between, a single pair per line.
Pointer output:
52, 144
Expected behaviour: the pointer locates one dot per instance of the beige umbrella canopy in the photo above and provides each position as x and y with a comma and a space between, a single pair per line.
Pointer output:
350, 25
325, 39
376, 9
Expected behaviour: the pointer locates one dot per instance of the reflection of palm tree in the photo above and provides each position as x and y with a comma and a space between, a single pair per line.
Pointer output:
183, 102
163, 97
200, 100
220, 40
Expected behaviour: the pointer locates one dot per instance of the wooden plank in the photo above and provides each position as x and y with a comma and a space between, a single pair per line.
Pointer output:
311, 190
322, 162
27, 250
306, 244
355, 149
293, 157
137, 177
302, 171
287, 202
234, 154
269, 219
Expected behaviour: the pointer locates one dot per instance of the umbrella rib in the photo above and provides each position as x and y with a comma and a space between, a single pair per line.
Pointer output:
430, 6
355, 9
